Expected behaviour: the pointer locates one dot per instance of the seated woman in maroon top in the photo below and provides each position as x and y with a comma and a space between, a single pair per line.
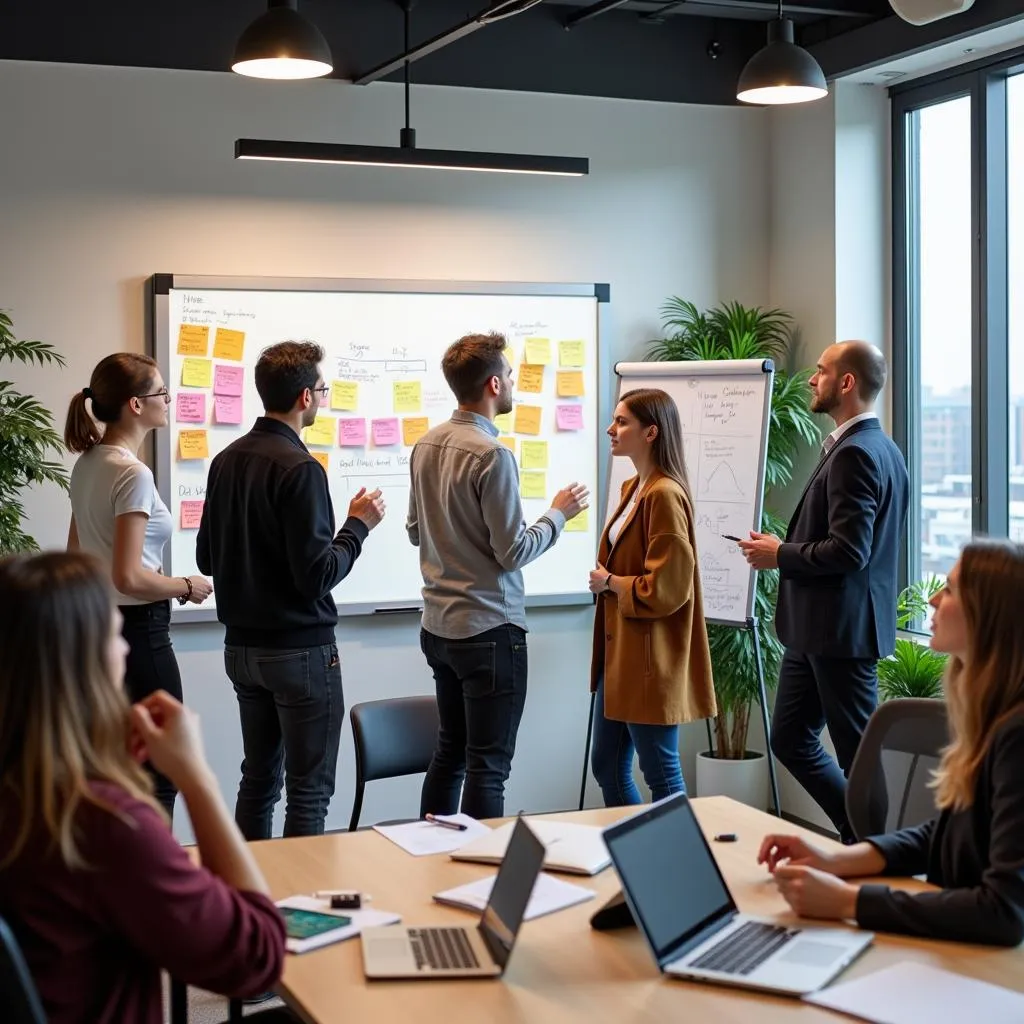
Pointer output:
96, 889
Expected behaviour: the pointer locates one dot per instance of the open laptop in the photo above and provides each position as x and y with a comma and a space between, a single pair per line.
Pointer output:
684, 909
483, 952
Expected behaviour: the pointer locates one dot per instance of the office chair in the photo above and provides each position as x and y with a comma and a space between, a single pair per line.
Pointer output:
888, 784
18, 996
392, 738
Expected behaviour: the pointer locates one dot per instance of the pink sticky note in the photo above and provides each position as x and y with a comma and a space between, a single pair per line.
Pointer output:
227, 409
191, 407
352, 433
227, 380
386, 432
191, 514
569, 417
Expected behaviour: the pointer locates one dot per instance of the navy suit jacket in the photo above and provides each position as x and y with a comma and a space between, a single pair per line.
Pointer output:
838, 564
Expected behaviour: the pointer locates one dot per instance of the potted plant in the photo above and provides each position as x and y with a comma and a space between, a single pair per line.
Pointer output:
733, 331
913, 669
27, 439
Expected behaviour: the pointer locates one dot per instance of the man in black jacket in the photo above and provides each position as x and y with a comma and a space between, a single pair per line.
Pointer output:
836, 611
267, 538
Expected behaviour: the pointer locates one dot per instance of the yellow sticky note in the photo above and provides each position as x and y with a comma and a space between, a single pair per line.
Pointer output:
538, 351
528, 419
531, 378
579, 523
534, 455
509, 443
320, 457
413, 428
192, 444
503, 421
322, 431
197, 373
193, 340
228, 344
571, 353
533, 485
408, 396
345, 395
570, 383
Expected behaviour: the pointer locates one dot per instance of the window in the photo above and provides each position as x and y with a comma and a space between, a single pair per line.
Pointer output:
1015, 290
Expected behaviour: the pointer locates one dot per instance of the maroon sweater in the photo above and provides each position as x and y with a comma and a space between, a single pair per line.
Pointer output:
96, 939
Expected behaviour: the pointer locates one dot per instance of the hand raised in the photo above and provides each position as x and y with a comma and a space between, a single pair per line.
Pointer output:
571, 500
369, 507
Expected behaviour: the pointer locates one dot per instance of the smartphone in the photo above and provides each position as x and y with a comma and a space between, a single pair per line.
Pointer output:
304, 924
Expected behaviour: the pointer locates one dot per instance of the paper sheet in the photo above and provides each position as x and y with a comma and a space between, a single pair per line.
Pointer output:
549, 894
424, 837
361, 919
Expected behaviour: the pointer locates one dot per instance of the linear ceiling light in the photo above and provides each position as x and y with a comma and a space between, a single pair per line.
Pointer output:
781, 72
282, 44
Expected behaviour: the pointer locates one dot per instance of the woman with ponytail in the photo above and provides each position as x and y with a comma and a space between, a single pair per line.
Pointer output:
118, 515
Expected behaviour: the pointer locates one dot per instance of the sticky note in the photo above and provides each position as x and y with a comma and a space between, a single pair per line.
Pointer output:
385, 432
191, 514
531, 378
344, 395
190, 407
509, 443
193, 340
321, 432
408, 395
503, 421
320, 457
533, 455
528, 419
579, 523
571, 353
569, 417
227, 409
192, 444
533, 485
538, 351
227, 380
197, 373
570, 383
413, 428
228, 344
352, 433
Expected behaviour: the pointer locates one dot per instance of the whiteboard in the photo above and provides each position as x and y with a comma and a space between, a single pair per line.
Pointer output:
383, 345
724, 408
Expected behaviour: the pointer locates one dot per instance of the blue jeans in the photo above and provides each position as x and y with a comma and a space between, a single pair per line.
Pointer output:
611, 758
481, 692
291, 707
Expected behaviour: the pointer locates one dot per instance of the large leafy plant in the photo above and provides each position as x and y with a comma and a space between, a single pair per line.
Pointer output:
734, 331
29, 444
912, 670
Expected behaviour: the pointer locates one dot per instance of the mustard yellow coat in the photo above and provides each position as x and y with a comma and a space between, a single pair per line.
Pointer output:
652, 644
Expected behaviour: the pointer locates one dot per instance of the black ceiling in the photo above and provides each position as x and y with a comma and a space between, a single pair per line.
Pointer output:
674, 50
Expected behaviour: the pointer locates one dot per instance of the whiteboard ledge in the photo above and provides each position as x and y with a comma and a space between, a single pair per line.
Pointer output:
697, 368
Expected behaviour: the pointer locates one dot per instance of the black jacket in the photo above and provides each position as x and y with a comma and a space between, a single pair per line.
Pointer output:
267, 539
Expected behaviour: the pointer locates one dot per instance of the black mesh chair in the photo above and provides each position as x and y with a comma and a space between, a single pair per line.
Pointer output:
888, 784
392, 738
19, 999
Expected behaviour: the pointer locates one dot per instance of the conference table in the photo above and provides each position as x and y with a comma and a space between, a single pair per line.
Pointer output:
561, 970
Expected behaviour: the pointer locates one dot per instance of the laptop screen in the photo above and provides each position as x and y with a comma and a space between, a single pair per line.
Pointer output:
668, 874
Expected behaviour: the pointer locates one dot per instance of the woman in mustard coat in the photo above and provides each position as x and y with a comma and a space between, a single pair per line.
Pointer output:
651, 666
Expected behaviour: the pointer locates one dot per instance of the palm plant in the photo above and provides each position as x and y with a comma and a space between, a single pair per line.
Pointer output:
912, 670
27, 439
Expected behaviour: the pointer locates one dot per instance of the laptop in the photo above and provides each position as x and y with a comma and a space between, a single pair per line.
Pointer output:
483, 952
683, 907
570, 848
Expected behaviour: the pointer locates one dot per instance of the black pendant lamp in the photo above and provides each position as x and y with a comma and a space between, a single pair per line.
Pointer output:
282, 44
782, 72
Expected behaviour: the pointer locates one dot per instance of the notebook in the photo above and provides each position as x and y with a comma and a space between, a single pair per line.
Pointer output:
573, 849
549, 894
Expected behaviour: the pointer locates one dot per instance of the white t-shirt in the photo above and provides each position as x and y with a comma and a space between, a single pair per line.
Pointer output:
107, 482
616, 528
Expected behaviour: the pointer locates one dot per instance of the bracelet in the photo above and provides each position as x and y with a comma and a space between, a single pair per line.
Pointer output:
607, 582
183, 599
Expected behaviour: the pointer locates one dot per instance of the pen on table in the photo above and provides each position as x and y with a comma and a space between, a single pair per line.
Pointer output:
457, 825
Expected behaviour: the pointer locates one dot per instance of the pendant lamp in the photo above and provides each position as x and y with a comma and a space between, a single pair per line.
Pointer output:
282, 44
781, 72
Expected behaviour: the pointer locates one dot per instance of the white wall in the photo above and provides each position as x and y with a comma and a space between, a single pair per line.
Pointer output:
109, 175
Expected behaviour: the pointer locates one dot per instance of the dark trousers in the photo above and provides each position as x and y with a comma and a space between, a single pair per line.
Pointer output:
291, 707
481, 693
813, 692
151, 666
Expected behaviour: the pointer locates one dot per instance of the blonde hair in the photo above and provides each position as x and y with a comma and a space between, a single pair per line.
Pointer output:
987, 687
63, 719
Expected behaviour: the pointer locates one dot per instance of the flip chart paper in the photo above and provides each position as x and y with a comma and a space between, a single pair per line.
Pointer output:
533, 485
227, 409
345, 395
228, 344
579, 523
386, 432
569, 417
321, 432
190, 407
193, 340
571, 353
528, 419
408, 395
570, 383
534, 455
227, 380
531, 378
413, 428
192, 444
538, 350
352, 433
196, 373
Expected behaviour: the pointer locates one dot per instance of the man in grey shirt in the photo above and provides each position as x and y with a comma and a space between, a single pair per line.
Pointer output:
466, 518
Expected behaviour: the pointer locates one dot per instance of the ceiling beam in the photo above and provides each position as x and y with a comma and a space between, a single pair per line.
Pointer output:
593, 11
768, 7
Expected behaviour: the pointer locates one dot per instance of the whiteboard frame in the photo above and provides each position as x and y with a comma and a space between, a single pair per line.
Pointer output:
712, 368
158, 344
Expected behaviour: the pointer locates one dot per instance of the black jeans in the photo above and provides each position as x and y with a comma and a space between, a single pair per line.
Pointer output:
481, 693
151, 666
291, 707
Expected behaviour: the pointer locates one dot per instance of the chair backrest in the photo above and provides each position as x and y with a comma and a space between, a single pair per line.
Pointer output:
18, 996
888, 784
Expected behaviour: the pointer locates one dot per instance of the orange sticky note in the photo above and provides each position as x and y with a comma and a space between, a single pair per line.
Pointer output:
193, 340
320, 457
509, 443
570, 383
228, 344
192, 444
531, 378
413, 428
528, 419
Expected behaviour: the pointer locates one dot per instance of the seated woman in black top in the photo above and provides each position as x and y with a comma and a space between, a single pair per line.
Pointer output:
974, 849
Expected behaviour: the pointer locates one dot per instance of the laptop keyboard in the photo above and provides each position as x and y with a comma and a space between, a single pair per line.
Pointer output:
442, 948
744, 949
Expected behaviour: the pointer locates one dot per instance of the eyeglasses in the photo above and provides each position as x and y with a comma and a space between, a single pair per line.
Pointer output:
162, 393
325, 390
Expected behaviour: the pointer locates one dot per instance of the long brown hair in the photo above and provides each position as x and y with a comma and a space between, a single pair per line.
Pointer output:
63, 719
655, 408
116, 380
987, 687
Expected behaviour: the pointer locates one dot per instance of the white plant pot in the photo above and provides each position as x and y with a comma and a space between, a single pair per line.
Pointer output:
745, 781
